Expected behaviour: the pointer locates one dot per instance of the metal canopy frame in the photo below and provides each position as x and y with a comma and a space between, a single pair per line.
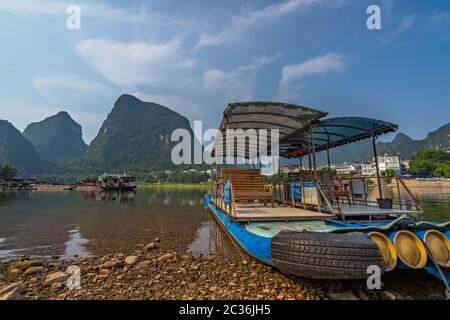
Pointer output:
334, 132
288, 119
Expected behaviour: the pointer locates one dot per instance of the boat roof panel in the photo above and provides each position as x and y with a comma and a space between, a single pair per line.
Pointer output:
334, 132
287, 118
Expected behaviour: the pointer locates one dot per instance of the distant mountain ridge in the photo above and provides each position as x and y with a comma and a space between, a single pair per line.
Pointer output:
57, 137
15, 149
405, 147
135, 137
402, 145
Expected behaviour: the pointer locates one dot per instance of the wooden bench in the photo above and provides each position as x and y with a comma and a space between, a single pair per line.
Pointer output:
247, 185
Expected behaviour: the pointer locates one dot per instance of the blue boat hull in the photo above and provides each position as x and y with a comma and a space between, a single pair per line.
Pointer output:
321, 249
306, 254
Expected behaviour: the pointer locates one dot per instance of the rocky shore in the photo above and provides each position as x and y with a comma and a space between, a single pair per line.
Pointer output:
152, 273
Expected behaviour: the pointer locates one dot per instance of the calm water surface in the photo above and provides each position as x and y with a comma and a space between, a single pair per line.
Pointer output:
73, 223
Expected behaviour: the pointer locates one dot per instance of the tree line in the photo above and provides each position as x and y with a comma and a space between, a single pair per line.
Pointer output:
431, 162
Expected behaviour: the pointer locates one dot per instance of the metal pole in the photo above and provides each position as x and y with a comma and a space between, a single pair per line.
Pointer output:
309, 158
328, 159
313, 151
374, 146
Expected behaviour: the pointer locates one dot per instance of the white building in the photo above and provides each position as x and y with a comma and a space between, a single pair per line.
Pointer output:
346, 169
368, 169
392, 163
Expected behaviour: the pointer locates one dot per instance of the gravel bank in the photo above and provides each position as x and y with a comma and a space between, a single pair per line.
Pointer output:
153, 273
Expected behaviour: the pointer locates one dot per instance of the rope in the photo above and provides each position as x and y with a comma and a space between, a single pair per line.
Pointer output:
438, 268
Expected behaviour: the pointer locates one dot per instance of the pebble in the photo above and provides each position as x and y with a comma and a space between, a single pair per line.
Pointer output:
342, 296
150, 246
57, 286
32, 270
386, 295
12, 292
16, 272
55, 277
130, 260
165, 257
143, 264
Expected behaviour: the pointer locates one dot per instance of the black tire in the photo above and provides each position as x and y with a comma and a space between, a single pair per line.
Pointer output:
325, 255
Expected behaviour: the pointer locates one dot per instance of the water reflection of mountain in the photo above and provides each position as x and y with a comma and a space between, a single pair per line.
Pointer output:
7, 198
37, 223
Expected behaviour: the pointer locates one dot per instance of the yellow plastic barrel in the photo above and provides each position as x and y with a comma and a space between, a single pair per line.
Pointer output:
439, 246
386, 248
410, 249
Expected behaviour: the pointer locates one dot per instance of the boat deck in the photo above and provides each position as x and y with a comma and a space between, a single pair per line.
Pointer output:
259, 212
362, 210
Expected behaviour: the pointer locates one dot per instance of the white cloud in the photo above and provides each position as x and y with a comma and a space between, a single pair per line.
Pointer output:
27, 7
244, 21
405, 24
315, 66
236, 83
90, 9
69, 83
130, 64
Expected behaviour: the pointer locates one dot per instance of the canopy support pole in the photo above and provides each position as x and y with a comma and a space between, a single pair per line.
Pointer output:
313, 151
309, 158
328, 159
374, 146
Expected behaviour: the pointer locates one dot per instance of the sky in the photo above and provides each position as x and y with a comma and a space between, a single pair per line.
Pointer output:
196, 56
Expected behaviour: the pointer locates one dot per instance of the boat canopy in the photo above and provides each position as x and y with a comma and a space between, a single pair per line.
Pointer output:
331, 133
301, 130
260, 115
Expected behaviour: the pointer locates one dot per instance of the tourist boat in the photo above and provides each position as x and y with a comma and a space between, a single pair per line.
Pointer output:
127, 182
315, 225
109, 181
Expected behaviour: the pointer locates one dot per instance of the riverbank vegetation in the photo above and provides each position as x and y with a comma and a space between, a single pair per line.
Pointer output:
8, 171
431, 162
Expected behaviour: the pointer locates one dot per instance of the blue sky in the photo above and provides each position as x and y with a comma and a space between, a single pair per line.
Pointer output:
196, 56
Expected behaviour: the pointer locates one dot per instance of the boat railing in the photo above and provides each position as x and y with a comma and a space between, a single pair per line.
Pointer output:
305, 194
335, 197
217, 188
365, 191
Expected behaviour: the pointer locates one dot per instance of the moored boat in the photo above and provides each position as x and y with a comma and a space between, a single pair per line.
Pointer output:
315, 225
127, 182
109, 181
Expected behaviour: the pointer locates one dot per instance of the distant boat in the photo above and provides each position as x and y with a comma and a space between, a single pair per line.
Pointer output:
127, 182
109, 181
117, 182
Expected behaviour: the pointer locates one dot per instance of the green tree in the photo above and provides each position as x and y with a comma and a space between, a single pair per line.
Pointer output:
442, 170
8, 171
428, 160
389, 172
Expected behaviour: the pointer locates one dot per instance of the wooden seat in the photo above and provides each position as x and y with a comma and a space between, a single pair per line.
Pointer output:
247, 185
